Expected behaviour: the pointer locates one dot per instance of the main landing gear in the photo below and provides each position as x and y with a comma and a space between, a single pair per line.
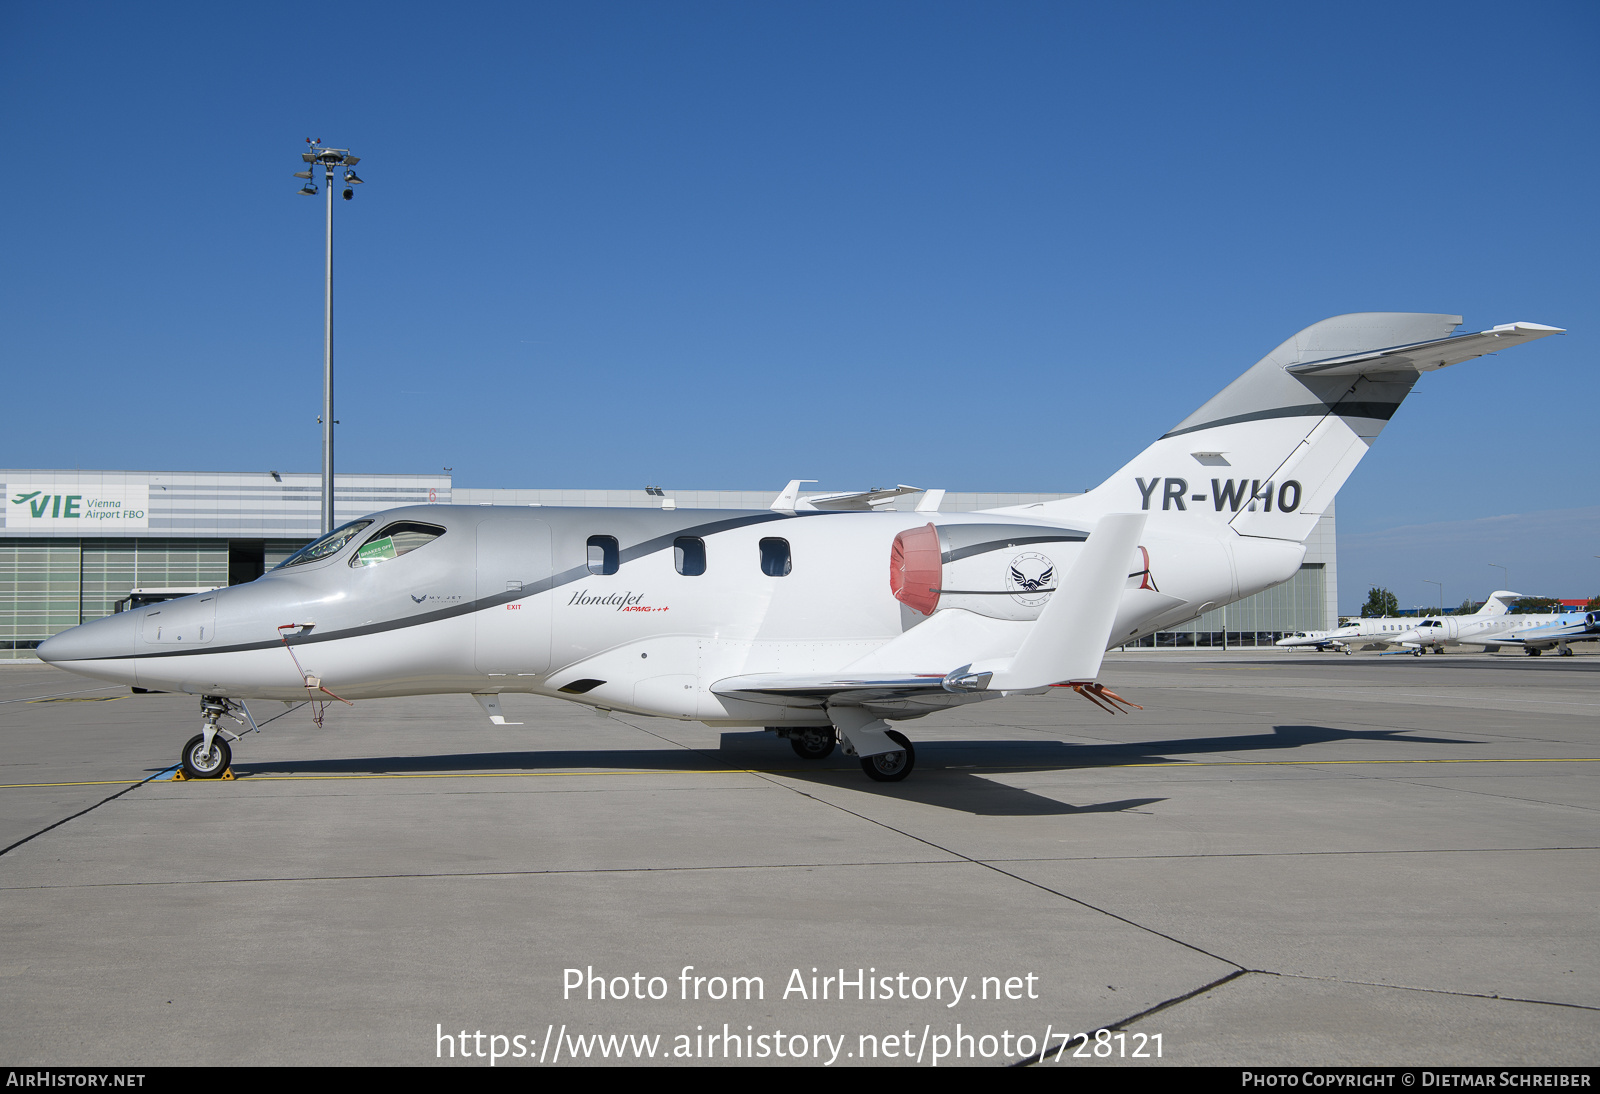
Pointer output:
891, 767
818, 743
812, 744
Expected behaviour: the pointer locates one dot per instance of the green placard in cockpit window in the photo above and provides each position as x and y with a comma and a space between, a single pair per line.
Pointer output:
376, 551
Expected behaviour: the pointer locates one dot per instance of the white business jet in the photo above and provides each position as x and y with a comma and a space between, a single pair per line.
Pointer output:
1408, 632
1556, 634
1533, 633
825, 626
1336, 640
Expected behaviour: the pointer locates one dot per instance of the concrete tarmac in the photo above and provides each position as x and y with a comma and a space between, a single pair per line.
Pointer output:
1283, 859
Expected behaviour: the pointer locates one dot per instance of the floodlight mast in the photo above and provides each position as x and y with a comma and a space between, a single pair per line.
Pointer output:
329, 158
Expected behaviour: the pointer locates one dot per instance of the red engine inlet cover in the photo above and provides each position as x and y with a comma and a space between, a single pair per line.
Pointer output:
916, 568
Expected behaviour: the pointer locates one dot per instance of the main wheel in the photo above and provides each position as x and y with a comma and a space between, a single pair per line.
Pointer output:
1533, 651
891, 767
812, 744
199, 764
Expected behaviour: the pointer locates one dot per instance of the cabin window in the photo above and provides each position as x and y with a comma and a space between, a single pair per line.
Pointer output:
394, 540
689, 556
326, 547
775, 561
604, 558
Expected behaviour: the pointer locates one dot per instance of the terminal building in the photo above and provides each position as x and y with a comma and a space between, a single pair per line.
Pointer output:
79, 545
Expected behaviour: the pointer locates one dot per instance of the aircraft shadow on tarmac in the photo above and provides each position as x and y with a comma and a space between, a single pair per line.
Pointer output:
950, 774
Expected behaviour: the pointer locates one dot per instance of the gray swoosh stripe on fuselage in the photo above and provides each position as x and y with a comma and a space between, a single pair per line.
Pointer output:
534, 588
1012, 541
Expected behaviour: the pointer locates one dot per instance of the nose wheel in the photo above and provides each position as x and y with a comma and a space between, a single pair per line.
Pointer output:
206, 761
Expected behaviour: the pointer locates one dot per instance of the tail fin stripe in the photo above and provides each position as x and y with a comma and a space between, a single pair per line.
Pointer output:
1379, 411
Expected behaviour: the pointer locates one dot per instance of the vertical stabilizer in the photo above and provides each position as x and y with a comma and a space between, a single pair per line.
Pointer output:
1499, 603
1266, 455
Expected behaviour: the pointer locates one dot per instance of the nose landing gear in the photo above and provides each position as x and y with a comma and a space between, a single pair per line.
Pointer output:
209, 752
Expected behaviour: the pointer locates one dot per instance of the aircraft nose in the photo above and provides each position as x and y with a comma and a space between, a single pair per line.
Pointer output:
97, 640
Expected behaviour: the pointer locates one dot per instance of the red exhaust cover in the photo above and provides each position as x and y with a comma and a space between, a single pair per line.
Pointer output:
916, 568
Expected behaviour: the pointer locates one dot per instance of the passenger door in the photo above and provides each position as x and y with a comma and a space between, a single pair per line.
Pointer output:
513, 638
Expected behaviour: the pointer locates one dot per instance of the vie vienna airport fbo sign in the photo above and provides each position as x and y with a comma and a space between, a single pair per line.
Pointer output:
91, 510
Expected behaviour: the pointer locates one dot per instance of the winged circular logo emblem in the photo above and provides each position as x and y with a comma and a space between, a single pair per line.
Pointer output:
1031, 577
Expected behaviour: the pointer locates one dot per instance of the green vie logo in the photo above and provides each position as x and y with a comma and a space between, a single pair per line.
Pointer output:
56, 503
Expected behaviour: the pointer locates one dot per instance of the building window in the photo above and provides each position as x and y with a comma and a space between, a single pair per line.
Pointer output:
604, 558
689, 556
775, 561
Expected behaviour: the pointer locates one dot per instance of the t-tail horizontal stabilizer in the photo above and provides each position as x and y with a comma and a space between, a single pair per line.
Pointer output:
1068, 641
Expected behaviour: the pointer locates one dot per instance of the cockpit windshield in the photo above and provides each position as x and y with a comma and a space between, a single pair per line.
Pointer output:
326, 547
395, 540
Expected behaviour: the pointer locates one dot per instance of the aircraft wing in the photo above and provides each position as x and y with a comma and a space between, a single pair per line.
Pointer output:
864, 501
783, 689
1546, 637
860, 501
1427, 356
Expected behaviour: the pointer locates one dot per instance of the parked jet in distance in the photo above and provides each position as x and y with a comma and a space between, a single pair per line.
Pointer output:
1534, 633
1383, 631
822, 625
1335, 640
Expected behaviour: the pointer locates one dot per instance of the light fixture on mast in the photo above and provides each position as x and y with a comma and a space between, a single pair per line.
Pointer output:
329, 158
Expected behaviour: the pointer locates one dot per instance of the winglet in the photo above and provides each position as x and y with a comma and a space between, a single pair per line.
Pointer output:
1068, 641
785, 501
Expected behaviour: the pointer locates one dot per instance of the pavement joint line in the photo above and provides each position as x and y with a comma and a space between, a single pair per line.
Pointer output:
1015, 877
247, 777
1456, 788
875, 864
967, 858
81, 812
1436, 991
1298, 854
1038, 1057
1043, 1053
59, 694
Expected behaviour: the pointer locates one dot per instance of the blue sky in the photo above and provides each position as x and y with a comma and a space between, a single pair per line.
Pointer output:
996, 246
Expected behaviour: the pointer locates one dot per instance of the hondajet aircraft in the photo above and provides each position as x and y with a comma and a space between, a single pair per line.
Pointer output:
824, 626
